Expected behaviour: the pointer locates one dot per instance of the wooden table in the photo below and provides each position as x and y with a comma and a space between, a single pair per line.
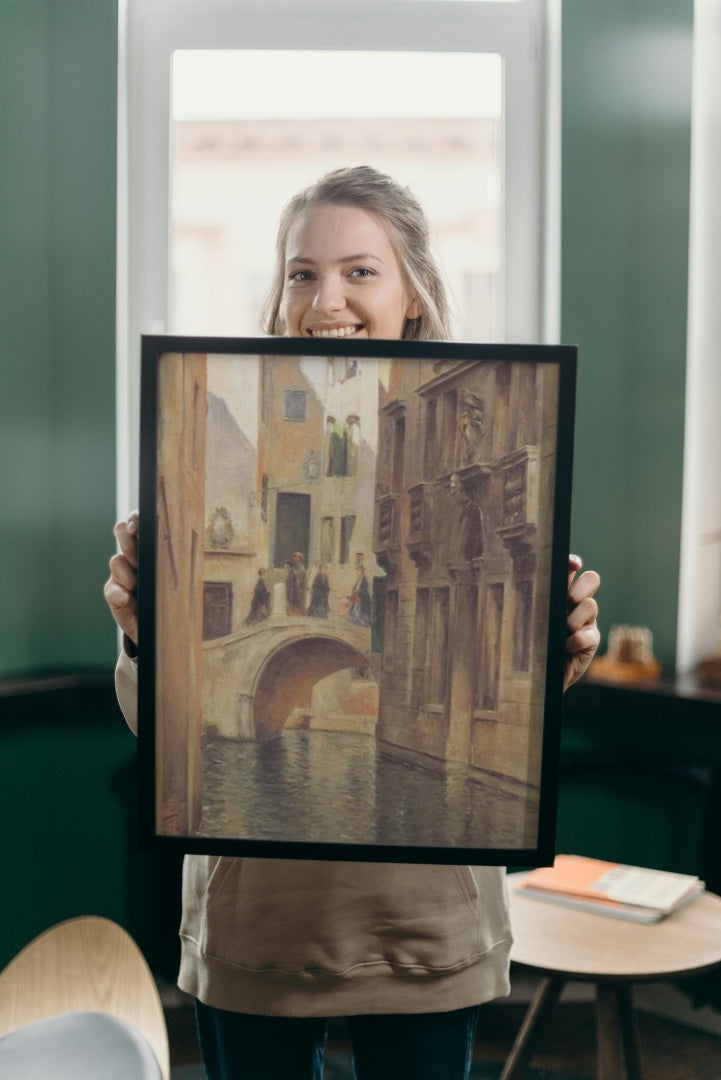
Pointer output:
563, 944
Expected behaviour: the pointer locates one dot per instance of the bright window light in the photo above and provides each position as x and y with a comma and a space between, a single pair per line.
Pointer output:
219, 84
251, 127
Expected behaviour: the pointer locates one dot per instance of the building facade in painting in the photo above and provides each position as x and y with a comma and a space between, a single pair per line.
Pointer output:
462, 528
289, 569
293, 490
316, 459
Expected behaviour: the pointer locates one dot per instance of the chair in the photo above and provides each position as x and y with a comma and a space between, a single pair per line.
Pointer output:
79, 1002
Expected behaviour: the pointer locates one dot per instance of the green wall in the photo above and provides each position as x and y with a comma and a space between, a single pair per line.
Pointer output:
625, 199
58, 74
67, 761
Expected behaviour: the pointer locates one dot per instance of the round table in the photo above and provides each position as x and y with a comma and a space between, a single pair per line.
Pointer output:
562, 944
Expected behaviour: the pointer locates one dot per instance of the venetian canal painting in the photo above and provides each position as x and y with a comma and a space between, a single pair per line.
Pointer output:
351, 588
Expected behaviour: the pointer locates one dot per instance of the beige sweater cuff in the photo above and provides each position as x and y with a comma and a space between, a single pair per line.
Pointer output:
126, 687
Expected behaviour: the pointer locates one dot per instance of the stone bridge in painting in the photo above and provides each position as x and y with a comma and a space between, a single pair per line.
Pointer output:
252, 680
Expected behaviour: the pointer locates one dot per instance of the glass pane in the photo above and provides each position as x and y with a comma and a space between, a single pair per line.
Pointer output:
250, 128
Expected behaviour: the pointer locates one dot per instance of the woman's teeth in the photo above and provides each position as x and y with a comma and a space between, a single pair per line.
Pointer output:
337, 331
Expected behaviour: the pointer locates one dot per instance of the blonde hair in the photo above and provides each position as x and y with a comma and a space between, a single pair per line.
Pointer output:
403, 217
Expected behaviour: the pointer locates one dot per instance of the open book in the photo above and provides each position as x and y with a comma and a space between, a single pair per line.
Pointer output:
608, 888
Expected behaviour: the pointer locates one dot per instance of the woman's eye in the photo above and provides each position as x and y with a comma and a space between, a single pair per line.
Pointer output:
362, 272
300, 276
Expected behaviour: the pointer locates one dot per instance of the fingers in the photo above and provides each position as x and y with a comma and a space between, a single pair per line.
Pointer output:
126, 534
120, 588
582, 588
582, 613
582, 633
123, 607
582, 607
584, 641
120, 600
575, 562
123, 572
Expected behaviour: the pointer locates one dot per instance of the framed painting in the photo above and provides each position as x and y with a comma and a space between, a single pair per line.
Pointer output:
352, 597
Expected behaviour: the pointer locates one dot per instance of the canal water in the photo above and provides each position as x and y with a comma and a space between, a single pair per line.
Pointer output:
339, 787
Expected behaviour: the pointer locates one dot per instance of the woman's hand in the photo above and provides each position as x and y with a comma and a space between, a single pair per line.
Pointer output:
583, 635
121, 587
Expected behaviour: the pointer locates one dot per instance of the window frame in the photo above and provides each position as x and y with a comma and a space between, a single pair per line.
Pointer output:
526, 34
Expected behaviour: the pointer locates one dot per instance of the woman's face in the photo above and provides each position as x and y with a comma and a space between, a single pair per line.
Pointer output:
342, 277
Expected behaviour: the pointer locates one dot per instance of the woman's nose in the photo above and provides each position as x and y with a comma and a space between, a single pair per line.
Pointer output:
329, 296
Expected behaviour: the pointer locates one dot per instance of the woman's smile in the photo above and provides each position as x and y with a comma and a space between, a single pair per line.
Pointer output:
334, 331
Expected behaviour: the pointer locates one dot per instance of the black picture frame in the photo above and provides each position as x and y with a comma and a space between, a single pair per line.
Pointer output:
406, 708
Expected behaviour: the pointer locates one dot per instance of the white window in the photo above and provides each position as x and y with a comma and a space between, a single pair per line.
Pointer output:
227, 107
235, 161
699, 623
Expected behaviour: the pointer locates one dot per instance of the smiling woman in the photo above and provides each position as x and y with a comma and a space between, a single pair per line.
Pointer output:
353, 259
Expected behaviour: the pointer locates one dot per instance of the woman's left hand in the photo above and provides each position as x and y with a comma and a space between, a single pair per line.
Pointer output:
582, 633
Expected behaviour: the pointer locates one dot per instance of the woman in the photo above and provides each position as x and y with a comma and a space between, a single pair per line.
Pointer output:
271, 948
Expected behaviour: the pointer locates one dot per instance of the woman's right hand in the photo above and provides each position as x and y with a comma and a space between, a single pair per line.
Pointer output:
121, 587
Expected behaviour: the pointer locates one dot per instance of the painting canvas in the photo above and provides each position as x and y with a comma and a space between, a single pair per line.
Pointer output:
353, 568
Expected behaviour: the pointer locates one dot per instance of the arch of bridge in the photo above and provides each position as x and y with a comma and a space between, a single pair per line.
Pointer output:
279, 662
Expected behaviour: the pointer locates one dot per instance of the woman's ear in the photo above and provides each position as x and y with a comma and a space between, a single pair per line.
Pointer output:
415, 309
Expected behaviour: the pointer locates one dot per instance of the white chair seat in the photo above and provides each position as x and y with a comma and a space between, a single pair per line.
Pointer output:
78, 1046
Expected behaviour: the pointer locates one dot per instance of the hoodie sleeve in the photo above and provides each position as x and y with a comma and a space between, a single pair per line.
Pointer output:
126, 688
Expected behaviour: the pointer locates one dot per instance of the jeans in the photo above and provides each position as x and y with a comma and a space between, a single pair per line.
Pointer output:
416, 1046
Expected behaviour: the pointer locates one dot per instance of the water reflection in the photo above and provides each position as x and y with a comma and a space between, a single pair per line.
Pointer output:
319, 786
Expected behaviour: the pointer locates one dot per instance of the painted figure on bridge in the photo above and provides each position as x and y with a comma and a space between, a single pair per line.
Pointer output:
360, 600
295, 584
319, 607
260, 601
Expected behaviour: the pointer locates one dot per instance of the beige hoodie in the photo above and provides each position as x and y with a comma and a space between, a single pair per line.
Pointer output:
286, 937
